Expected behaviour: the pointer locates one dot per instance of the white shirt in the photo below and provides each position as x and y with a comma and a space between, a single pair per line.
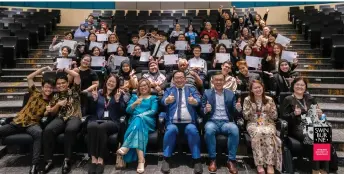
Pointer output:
185, 115
161, 50
59, 47
198, 61
220, 111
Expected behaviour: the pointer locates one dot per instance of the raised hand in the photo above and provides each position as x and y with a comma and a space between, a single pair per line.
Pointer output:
192, 100
239, 82
55, 38
117, 95
319, 111
170, 99
95, 94
297, 110
138, 102
132, 73
207, 107
269, 74
268, 58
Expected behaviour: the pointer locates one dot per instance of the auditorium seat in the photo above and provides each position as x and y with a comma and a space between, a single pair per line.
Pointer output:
23, 42
9, 44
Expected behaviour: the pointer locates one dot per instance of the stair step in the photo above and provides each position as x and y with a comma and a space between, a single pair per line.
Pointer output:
314, 66
294, 36
329, 89
9, 107
321, 73
33, 65
332, 109
299, 46
336, 122
325, 98
10, 87
35, 60
309, 55
43, 55
327, 80
314, 60
19, 71
12, 96
300, 41
11, 78
304, 50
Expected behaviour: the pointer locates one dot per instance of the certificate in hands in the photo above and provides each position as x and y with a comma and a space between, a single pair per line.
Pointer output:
112, 48
289, 55
102, 37
181, 45
198, 64
206, 48
242, 45
171, 59
284, 41
226, 42
96, 44
130, 48
223, 57
253, 62
119, 59
144, 56
98, 61
63, 63
69, 43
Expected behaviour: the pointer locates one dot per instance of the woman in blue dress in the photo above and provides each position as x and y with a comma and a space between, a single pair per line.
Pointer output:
142, 108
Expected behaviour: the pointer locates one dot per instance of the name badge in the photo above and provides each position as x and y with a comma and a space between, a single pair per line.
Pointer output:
106, 114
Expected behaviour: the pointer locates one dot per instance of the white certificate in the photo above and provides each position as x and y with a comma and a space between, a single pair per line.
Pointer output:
181, 45
98, 61
196, 64
289, 55
102, 37
96, 44
144, 56
253, 62
112, 48
284, 41
63, 63
171, 59
206, 48
118, 60
143, 42
242, 45
69, 43
223, 57
227, 43
130, 48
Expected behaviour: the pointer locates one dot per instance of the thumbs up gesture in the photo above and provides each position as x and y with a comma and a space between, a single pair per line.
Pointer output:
170, 99
238, 105
207, 107
297, 110
239, 82
117, 95
192, 100
95, 94
319, 111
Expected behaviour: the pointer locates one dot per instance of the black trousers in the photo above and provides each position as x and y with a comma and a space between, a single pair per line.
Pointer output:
98, 133
70, 128
35, 131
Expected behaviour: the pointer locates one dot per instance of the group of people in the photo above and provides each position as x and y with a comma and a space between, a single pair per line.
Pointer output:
180, 89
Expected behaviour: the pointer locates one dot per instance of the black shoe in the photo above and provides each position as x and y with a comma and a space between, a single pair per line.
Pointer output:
100, 169
198, 168
66, 166
33, 169
92, 168
47, 167
165, 167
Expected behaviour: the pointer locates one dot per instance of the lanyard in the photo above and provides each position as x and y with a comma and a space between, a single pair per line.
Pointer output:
107, 102
259, 109
286, 82
304, 106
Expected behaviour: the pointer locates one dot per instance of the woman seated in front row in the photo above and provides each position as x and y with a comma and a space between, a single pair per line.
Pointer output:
260, 113
108, 106
142, 109
296, 110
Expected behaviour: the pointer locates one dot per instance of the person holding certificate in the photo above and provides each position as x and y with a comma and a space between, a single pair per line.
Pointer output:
169, 50
186, 50
268, 47
92, 42
260, 113
107, 105
111, 66
113, 41
220, 48
264, 37
209, 53
282, 80
68, 37
197, 64
135, 61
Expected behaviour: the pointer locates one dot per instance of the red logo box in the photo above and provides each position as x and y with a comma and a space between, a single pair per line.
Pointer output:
321, 152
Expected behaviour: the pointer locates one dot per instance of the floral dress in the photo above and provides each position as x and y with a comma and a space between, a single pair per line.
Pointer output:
266, 146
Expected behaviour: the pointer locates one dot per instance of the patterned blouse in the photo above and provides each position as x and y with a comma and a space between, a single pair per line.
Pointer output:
33, 110
158, 79
250, 109
72, 108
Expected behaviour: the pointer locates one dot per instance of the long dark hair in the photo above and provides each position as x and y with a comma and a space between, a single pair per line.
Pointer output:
123, 48
253, 100
217, 49
113, 92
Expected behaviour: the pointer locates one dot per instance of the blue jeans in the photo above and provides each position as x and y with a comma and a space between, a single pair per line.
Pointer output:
230, 129
190, 132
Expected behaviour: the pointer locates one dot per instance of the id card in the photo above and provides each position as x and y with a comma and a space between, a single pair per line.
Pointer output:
106, 114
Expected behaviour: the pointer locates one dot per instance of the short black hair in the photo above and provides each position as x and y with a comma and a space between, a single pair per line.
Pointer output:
205, 35
70, 34
134, 35
218, 73
163, 34
153, 29
142, 28
62, 76
197, 46
184, 74
48, 81
68, 49
295, 81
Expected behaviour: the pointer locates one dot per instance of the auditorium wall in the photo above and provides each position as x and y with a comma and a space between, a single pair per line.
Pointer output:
73, 17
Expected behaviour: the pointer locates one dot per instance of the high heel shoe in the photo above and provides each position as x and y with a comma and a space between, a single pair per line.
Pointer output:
141, 167
121, 151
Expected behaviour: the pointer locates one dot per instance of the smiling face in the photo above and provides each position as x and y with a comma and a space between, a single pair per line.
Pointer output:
120, 51
142, 33
69, 36
47, 89
226, 69
86, 62
257, 17
205, 39
277, 50
93, 38
61, 85
177, 27
169, 50
111, 83
222, 49
243, 70
135, 40
179, 79
284, 66
137, 51
112, 38
218, 81
248, 51
299, 87
181, 37
271, 38
257, 89
266, 31
182, 65
208, 26
245, 32
228, 23
197, 52
96, 51
190, 28
64, 52
153, 68
144, 87
126, 68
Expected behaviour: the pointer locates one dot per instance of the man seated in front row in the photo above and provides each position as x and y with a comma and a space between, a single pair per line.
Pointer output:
181, 102
221, 109
27, 120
